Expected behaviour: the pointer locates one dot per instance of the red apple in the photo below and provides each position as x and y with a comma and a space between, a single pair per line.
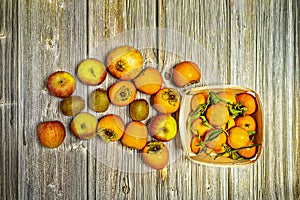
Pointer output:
51, 134
156, 154
61, 84
163, 127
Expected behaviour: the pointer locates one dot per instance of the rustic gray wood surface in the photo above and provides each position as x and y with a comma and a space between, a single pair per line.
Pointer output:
243, 42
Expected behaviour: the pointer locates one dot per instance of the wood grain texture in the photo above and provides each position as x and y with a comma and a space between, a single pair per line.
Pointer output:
249, 43
8, 100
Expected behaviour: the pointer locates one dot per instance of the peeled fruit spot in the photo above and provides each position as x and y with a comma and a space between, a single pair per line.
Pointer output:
98, 100
149, 81
91, 71
167, 100
156, 155
135, 135
84, 126
51, 134
111, 128
125, 62
238, 137
217, 114
227, 96
139, 110
122, 93
72, 105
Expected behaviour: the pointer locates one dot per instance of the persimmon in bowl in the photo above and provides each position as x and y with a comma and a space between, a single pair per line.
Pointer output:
222, 128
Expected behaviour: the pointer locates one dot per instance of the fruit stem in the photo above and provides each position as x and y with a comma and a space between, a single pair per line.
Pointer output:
120, 65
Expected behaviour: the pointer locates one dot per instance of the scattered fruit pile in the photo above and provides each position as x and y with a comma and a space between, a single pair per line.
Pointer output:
126, 64
223, 125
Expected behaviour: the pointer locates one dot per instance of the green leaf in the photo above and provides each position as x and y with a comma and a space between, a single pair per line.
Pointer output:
213, 135
237, 110
215, 99
251, 133
205, 122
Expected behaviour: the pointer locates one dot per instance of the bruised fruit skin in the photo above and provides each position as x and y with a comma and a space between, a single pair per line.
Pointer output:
91, 71
135, 135
186, 73
167, 100
125, 62
139, 109
156, 155
98, 100
110, 128
72, 105
149, 81
163, 127
84, 126
122, 93
51, 134
61, 84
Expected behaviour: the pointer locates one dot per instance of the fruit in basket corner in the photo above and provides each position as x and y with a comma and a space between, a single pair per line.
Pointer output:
248, 101
185, 73
163, 127
84, 126
198, 99
51, 134
98, 100
61, 84
139, 109
91, 71
217, 114
125, 62
156, 155
135, 135
149, 81
248, 152
238, 137
111, 128
167, 100
196, 144
215, 138
122, 93
72, 105
247, 122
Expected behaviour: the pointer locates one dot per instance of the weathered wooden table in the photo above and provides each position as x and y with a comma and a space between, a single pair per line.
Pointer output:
243, 42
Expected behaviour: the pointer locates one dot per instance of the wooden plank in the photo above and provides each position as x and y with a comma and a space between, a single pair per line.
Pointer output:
8, 101
114, 23
262, 58
205, 22
52, 36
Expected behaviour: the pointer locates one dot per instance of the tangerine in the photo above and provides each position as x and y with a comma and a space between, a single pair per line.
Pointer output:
248, 101
238, 137
217, 114
247, 122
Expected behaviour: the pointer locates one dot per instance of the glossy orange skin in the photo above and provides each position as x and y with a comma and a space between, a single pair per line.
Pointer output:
238, 137
116, 90
157, 159
217, 143
135, 135
51, 134
186, 72
248, 101
149, 81
247, 122
195, 145
198, 99
164, 101
199, 128
248, 152
125, 62
61, 84
112, 123
217, 114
